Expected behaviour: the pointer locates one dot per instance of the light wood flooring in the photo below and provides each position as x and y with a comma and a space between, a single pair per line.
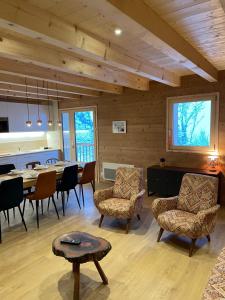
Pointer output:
137, 267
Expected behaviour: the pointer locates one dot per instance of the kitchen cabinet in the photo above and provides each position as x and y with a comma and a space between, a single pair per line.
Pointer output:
20, 159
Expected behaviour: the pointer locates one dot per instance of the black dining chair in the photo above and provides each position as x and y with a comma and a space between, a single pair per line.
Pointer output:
4, 169
11, 196
68, 182
52, 161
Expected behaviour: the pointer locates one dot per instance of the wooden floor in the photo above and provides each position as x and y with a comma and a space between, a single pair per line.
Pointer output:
137, 267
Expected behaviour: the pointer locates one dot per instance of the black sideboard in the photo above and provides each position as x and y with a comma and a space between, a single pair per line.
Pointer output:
166, 181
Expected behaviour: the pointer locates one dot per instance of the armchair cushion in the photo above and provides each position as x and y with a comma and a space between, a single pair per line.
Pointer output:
179, 222
197, 192
115, 207
128, 182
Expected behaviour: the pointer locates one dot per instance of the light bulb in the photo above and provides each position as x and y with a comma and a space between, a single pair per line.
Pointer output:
50, 123
118, 31
59, 123
28, 123
39, 122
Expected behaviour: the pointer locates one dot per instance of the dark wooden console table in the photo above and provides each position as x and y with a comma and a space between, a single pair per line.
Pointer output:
166, 181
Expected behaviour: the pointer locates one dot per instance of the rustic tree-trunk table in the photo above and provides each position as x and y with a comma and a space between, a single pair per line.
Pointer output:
91, 248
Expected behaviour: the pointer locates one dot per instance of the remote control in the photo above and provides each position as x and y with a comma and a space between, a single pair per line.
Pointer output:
71, 242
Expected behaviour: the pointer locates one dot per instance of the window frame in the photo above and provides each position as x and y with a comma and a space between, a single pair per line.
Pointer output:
214, 97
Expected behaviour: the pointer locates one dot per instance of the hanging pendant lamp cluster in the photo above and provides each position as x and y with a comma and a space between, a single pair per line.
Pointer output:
39, 120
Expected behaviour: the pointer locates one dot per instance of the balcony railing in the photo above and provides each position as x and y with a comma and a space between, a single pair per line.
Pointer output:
85, 152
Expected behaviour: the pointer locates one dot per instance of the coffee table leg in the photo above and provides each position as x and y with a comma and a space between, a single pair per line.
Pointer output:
76, 270
101, 273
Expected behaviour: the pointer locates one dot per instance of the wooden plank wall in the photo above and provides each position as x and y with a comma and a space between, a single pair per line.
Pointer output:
145, 113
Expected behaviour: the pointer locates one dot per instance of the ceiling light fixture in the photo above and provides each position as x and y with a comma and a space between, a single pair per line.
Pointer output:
39, 121
50, 123
118, 31
28, 122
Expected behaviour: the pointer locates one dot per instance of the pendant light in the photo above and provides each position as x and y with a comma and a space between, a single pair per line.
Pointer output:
28, 122
39, 121
59, 121
50, 123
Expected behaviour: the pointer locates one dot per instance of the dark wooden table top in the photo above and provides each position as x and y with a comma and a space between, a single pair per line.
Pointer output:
91, 248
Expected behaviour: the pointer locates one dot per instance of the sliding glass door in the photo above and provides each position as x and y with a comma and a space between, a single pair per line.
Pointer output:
79, 134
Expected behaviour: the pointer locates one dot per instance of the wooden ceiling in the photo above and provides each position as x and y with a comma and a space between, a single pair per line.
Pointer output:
71, 45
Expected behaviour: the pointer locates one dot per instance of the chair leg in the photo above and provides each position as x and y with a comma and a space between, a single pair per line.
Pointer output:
42, 210
93, 185
160, 234
7, 211
14, 213
77, 197
128, 225
68, 194
24, 204
37, 212
53, 201
138, 216
48, 203
208, 238
31, 203
21, 214
82, 191
100, 221
63, 202
5, 214
192, 247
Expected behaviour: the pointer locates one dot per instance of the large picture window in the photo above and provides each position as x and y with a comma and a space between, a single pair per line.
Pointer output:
192, 123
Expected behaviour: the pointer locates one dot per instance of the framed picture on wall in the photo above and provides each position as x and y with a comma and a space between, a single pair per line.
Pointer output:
119, 126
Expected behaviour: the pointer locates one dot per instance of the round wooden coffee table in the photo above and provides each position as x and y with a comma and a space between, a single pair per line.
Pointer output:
91, 248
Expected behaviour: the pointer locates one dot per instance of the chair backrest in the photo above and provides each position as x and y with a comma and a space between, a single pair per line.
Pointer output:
45, 186
4, 169
129, 181
69, 178
11, 193
52, 160
32, 164
88, 174
197, 192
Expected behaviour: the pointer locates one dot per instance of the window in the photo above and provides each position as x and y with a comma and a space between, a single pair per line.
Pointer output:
192, 123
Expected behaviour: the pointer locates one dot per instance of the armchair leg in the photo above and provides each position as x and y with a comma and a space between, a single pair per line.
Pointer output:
100, 221
208, 238
192, 247
139, 218
128, 225
160, 234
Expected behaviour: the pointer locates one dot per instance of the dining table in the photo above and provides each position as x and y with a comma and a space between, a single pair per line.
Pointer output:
30, 176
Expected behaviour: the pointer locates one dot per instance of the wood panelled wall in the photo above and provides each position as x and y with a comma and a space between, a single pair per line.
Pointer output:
145, 113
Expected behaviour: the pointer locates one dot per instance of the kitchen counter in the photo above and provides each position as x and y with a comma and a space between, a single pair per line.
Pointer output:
27, 152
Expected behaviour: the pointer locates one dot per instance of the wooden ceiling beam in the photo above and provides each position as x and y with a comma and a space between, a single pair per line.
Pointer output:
163, 37
62, 61
19, 81
21, 90
13, 94
29, 20
15, 67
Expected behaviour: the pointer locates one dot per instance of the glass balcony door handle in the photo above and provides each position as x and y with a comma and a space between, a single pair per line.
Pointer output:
73, 145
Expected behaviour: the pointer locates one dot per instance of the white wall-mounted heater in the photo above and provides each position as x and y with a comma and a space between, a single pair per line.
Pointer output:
109, 170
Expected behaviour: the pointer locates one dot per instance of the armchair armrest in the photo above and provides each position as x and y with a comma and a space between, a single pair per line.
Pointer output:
102, 195
161, 205
134, 198
207, 215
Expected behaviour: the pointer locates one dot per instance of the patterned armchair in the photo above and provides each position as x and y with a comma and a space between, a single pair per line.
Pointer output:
193, 212
124, 199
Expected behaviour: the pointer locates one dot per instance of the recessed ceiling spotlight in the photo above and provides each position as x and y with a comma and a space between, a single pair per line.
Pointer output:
118, 31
